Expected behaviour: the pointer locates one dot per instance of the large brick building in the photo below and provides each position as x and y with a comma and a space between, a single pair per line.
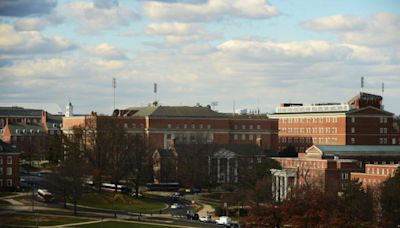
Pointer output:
9, 166
162, 124
360, 121
331, 166
375, 175
28, 129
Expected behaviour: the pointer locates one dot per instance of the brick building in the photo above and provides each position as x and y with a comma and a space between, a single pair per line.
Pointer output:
360, 121
331, 166
162, 124
9, 166
374, 175
28, 129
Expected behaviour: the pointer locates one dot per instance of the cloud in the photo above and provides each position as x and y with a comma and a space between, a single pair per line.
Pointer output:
211, 10
382, 29
22, 8
335, 23
37, 23
174, 28
105, 51
100, 16
31, 42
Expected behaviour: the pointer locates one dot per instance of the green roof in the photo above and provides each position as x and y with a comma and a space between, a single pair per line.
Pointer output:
174, 111
359, 150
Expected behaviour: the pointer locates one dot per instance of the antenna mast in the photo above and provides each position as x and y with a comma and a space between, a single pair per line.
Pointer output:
155, 93
362, 84
114, 84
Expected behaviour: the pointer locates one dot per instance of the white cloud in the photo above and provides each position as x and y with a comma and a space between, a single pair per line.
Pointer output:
382, 29
335, 23
212, 10
174, 28
104, 50
93, 19
30, 42
37, 23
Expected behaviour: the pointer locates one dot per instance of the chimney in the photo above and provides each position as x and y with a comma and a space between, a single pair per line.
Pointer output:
44, 120
259, 142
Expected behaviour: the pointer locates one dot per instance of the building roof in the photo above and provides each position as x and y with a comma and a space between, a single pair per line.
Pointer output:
19, 129
49, 107
356, 150
16, 112
173, 111
365, 96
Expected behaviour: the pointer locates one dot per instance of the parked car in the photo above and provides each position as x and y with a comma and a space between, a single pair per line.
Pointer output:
192, 216
193, 190
224, 220
176, 195
176, 206
206, 218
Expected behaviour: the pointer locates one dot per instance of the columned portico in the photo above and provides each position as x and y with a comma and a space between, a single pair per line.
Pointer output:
282, 183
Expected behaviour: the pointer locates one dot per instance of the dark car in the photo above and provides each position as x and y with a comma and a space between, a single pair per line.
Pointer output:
192, 216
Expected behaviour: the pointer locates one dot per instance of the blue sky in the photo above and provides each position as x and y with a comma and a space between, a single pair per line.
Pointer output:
253, 53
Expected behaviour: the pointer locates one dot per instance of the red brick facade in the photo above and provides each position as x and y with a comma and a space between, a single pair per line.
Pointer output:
355, 123
374, 175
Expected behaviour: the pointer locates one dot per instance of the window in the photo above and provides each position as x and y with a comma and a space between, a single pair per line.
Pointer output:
381, 130
251, 127
258, 126
185, 126
9, 160
235, 137
243, 127
353, 140
393, 141
385, 119
208, 126
193, 126
385, 130
353, 130
9, 171
169, 126
384, 140
9, 182
381, 120
353, 119
236, 127
1, 160
243, 137
1, 171
251, 137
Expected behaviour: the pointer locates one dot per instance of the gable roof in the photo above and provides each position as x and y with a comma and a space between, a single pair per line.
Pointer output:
356, 150
7, 148
369, 108
173, 111
15, 111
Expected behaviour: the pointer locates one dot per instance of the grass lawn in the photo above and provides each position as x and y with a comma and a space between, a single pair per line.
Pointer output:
111, 224
118, 201
30, 220
2, 194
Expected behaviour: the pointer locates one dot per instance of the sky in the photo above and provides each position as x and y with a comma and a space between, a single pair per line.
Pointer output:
243, 54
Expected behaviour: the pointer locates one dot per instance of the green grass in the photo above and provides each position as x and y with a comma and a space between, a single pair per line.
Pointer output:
3, 194
111, 224
30, 220
122, 202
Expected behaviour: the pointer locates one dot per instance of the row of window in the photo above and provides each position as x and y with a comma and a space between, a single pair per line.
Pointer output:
9, 160
309, 130
381, 171
133, 125
8, 173
309, 120
315, 140
250, 127
246, 136
9, 183
307, 164
185, 126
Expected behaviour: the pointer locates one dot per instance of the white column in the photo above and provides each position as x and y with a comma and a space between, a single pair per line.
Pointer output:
273, 187
277, 187
281, 183
227, 170
286, 186
236, 170
217, 170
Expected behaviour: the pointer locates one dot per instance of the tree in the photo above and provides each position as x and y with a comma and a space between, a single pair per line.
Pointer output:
69, 177
356, 205
390, 201
289, 151
139, 148
55, 152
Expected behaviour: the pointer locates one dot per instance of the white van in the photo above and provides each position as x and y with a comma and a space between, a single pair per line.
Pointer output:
224, 220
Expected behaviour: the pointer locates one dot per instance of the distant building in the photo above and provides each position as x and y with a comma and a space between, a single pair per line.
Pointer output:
330, 166
220, 164
9, 166
360, 121
374, 175
28, 128
162, 124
